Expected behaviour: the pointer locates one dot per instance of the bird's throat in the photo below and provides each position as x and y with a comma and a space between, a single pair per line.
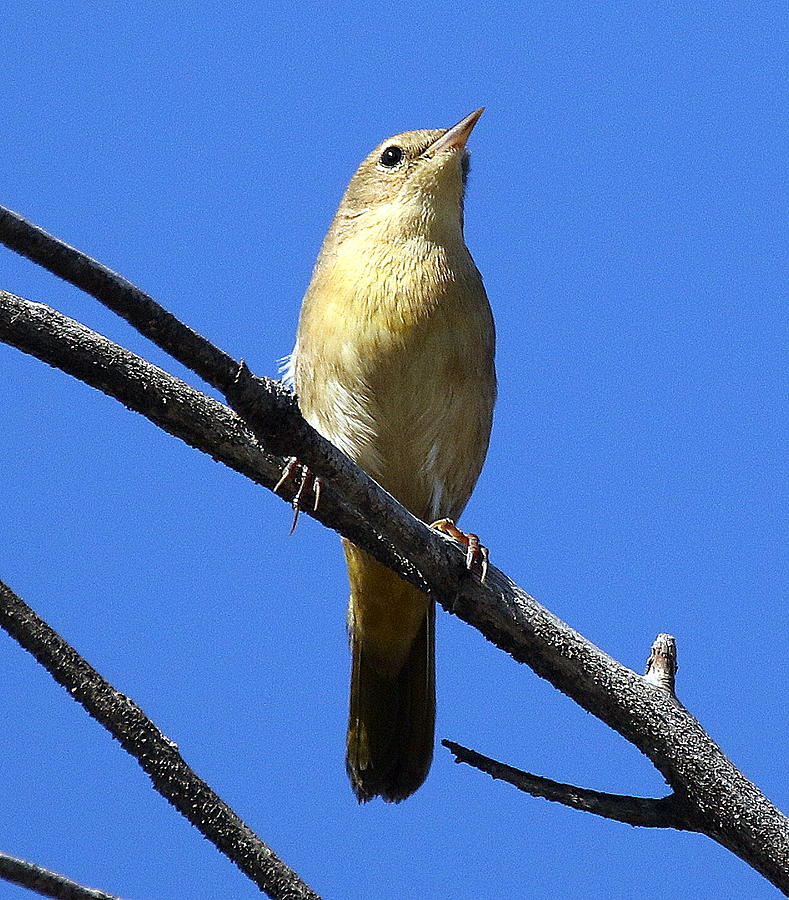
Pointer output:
394, 285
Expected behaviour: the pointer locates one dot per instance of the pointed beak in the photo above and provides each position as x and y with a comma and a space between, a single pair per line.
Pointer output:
455, 137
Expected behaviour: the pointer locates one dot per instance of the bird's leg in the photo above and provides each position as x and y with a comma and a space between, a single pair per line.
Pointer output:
307, 482
476, 553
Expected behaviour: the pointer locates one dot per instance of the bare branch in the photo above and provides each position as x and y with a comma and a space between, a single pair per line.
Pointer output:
45, 882
721, 802
666, 812
156, 753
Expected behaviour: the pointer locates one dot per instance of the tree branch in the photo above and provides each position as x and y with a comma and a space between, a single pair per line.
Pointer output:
156, 753
119, 295
168, 402
721, 802
45, 882
666, 812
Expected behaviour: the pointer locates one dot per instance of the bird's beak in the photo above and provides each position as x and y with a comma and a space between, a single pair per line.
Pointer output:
455, 137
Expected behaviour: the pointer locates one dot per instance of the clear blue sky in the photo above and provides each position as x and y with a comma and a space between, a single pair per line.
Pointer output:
624, 209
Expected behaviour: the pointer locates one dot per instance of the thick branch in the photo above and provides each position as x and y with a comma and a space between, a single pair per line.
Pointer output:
168, 402
45, 882
157, 755
666, 812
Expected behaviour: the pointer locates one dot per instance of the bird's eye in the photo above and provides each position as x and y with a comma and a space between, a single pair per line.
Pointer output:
391, 157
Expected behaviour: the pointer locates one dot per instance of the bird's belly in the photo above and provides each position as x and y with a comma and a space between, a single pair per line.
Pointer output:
417, 422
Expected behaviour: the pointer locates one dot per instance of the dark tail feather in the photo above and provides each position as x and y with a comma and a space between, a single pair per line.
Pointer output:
392, 720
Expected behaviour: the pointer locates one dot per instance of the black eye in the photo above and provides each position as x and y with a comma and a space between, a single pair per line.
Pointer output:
391, 157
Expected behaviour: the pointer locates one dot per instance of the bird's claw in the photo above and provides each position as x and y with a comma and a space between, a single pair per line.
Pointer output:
476, 553
307, 482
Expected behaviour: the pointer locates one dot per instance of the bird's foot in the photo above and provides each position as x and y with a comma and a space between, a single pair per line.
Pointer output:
476, 553
307, 483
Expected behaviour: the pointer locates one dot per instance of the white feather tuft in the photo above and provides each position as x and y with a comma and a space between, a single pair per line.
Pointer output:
287, 368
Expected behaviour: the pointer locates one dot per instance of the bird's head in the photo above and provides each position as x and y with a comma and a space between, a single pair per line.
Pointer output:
411, 183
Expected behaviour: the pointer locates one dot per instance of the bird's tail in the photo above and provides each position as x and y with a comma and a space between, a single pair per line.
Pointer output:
393, 696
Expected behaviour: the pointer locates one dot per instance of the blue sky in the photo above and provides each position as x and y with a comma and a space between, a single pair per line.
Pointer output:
624, 209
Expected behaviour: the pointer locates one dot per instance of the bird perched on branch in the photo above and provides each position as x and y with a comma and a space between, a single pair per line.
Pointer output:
393, 364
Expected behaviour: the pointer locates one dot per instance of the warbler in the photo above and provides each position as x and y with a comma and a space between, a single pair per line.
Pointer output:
394, 364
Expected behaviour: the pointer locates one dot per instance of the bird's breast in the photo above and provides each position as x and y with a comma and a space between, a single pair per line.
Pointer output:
395, 364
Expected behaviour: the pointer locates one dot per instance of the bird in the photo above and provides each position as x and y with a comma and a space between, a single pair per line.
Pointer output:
394, 364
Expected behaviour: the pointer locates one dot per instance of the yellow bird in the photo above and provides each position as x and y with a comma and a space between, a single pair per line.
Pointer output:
393, 364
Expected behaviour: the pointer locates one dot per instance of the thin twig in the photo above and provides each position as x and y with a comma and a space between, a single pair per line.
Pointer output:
121, 296
664, 812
